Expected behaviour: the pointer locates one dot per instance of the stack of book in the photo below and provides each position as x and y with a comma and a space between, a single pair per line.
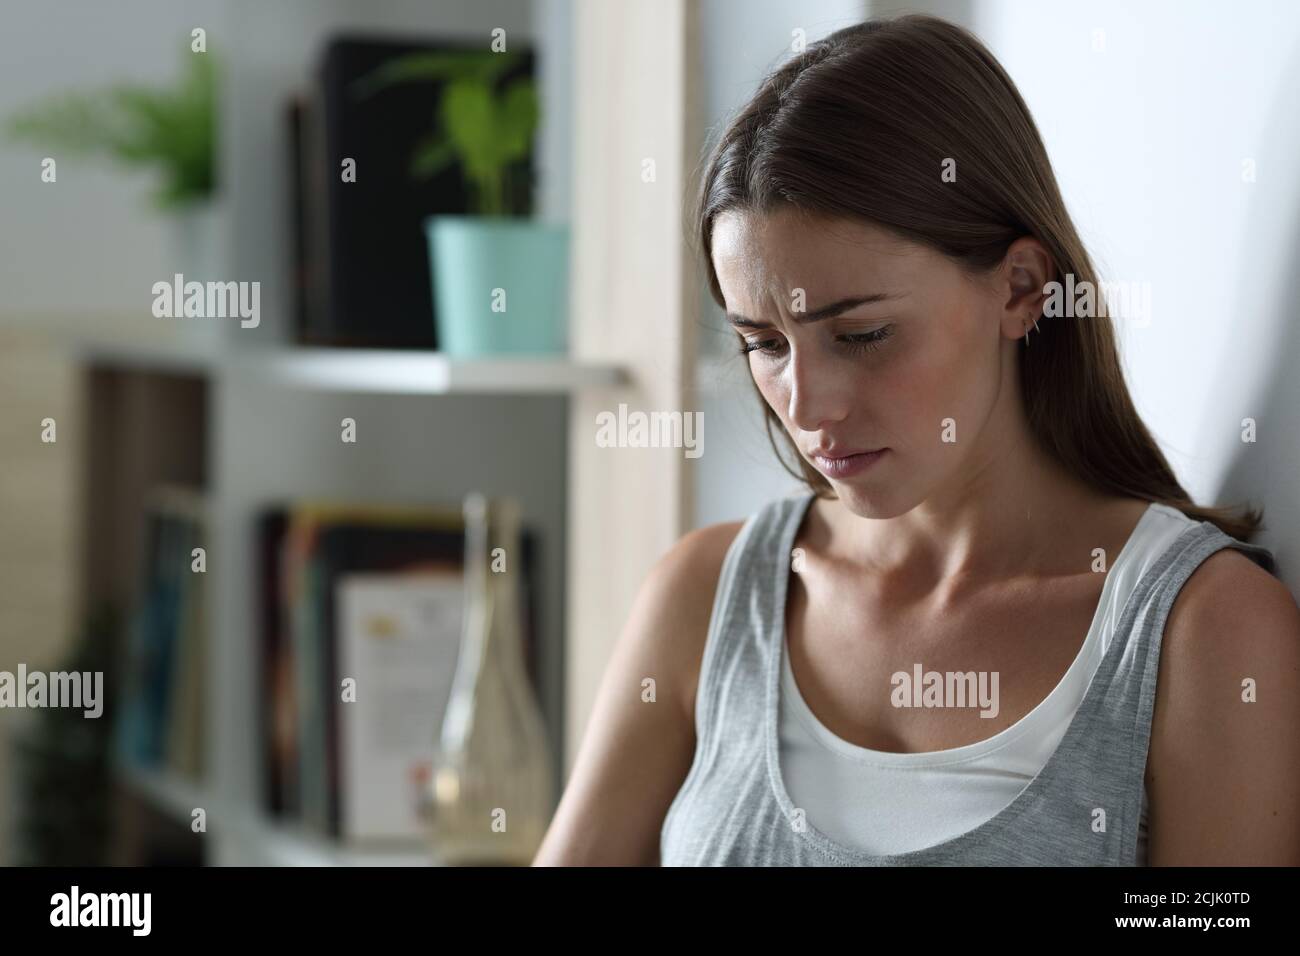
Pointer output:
360, 625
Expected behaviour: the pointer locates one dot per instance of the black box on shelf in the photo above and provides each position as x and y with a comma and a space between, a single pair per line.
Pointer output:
361, 257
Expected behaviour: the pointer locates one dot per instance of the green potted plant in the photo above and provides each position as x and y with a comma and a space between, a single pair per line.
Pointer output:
499, 277
171, 131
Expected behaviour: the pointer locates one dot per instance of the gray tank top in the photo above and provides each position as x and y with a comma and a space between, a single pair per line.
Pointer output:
1082, 809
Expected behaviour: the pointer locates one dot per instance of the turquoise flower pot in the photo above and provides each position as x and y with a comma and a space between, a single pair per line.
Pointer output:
500, 285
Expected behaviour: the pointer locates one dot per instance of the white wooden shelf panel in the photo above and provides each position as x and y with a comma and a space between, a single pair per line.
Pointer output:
376, 371
251, 837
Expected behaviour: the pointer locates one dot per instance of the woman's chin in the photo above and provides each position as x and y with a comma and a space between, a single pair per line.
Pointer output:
862, 501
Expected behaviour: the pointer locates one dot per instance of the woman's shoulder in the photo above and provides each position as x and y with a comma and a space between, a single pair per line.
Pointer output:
699, 554
1223, 753
1231, 593
680, 592
675, 604
1230, 599
688, 574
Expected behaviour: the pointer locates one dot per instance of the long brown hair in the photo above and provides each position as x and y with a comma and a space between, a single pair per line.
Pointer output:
859, 126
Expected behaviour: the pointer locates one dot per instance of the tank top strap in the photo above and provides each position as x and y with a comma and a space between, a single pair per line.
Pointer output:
1142, 621
744, 607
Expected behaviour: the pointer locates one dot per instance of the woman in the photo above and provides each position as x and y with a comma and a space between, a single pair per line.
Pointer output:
996, 630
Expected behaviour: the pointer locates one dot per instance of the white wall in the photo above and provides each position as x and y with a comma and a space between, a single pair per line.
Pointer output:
1148, 137
552, 25
87, 243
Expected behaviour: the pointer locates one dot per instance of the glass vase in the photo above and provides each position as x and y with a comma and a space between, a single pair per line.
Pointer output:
490, 789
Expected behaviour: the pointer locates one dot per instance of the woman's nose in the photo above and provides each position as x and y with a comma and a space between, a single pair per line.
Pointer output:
816, 396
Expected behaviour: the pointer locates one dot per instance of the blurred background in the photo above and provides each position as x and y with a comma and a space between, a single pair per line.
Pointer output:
434, 241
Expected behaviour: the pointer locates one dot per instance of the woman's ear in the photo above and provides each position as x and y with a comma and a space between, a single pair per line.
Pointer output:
1026, 269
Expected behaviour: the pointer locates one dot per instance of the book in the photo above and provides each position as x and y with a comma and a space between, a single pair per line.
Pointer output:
303, 280
399, 639
341, 548
161, 723
318, 544
277, 711
184, 745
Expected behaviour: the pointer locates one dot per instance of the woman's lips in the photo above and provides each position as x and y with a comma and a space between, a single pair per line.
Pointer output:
848, 465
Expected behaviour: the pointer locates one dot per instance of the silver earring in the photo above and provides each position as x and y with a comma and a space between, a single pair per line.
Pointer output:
1027, 332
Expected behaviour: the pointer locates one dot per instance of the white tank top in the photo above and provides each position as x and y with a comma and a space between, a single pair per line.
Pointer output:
888, 803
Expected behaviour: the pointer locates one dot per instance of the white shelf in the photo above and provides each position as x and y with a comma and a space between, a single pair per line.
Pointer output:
423, 373
148, 356
378, 371
258, 842
171, 794
252, 836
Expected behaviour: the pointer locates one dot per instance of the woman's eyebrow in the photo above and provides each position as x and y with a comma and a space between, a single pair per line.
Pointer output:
816, 315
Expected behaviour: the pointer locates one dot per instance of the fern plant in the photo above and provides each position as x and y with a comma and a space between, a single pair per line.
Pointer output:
170, 130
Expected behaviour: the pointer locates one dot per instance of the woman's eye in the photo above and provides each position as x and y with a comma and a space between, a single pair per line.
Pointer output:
766, 346
856, 343
867, 341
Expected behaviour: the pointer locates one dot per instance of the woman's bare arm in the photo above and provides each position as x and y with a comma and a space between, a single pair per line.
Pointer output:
635, 754
1223, 774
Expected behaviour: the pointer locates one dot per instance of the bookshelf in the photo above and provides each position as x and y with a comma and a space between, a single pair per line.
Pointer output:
249, 418
248, 429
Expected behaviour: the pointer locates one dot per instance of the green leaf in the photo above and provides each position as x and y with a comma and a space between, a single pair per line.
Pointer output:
517, 120
468, 115
432, 155
449, 65
172, 130
484, 131
79, 124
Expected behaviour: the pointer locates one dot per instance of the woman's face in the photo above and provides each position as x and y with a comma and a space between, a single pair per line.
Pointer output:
860, 340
